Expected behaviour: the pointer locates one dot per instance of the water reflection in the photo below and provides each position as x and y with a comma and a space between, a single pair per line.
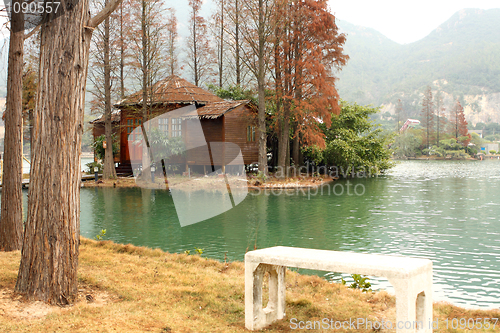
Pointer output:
444, 211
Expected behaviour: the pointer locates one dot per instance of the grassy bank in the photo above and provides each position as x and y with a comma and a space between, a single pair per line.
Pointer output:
123, 288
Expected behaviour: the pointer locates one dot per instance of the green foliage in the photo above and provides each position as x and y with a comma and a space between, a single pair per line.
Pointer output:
449, 149
162, 145
491, 131
234, 93
197, 250
261, 176
493, 152
450, 144
491, 137
476, 139
407, 144
360, 282
90, 167
354, 142
101, 235
98, 146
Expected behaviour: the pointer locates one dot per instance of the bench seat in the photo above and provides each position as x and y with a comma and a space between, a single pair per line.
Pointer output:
411, 278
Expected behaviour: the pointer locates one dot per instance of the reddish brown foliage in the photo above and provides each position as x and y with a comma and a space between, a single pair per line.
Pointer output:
307, 47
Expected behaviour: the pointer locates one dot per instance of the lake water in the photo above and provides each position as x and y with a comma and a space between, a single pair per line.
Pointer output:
446, 211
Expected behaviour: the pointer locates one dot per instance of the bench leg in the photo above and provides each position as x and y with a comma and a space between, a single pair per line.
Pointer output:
413, 303
257, 317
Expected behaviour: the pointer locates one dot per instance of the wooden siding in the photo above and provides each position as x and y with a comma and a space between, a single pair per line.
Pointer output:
231, 127
131, 113
235, 126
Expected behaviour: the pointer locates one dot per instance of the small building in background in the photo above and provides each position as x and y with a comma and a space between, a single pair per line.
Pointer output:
478, 132
486, 147
221, 121
410, 123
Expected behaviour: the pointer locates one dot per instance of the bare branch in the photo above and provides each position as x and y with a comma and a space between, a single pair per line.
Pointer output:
105, 12
32, 32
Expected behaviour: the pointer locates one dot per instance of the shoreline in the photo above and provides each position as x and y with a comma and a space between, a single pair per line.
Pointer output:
211, 182
129, 288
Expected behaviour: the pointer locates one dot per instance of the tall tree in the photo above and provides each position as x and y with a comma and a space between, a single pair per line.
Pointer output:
256, 30
49, 260
149, 58
399, 115
107, 55
172, 42
459, 124
109, 171
234, 43
428, 116
440, 117
307, 45
123, 16
199, 53
11, 223
218, 27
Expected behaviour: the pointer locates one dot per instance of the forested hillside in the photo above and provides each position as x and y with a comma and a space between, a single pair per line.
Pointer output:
461, 58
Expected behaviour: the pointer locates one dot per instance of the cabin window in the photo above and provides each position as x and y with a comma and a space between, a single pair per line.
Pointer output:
176, 127
131, 125
163, 125
251, 133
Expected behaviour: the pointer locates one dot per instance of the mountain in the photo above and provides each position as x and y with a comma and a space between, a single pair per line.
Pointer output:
461, 58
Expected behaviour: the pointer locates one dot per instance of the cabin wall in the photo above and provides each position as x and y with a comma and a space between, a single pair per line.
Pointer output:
235, 131
232, 127
135, 114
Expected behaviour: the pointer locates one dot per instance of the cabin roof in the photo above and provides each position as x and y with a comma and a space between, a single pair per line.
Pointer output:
210, 111
170, 90
218, 109
115, 118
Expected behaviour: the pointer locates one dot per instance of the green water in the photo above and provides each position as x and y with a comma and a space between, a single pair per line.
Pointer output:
446, 211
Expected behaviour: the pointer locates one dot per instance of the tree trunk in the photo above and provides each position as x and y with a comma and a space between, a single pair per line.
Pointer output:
146, 170
237, 42
195, 53
109, 171
221, 54
122, 56
48, 269
261, 91
11, 223
284, 136
296, 151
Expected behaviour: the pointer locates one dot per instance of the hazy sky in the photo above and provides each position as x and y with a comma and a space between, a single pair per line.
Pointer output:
403, 21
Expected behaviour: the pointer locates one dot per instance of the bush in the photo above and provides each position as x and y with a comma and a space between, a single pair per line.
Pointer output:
90, 167
98, 146
457, 154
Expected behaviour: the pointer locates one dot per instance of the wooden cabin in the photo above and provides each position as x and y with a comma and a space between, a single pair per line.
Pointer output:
221, 121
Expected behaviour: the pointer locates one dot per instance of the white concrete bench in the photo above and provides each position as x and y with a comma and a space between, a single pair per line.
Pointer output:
410, 277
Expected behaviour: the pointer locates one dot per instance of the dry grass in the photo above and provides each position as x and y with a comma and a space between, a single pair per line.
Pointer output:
124, 288
119, 182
